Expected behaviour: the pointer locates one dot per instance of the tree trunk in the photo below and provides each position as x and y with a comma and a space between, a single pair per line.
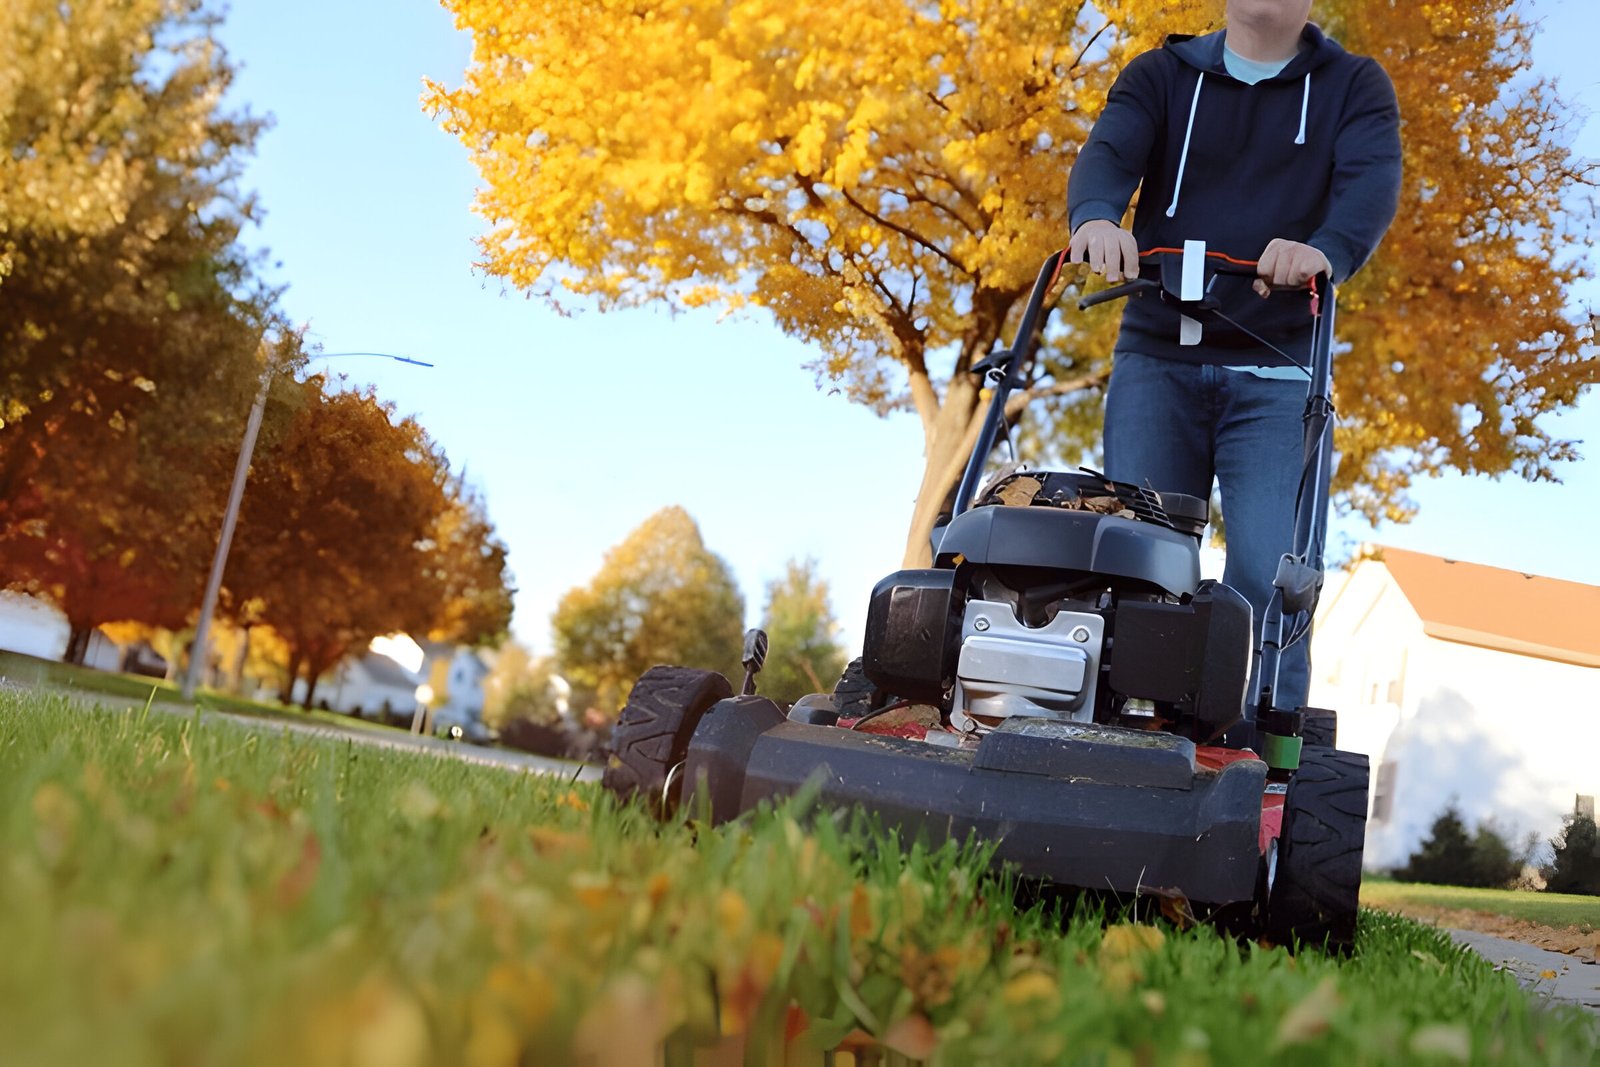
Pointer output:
77, 644
291, 672
955, 431
236, 683
312, 677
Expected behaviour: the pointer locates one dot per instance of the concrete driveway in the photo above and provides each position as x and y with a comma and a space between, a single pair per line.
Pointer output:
1552, 976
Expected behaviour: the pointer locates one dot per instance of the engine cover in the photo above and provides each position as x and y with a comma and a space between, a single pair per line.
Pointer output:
1007, 669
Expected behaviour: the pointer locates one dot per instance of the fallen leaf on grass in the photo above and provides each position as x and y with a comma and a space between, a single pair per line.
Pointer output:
1029, 986
384, 1027
1312, 1017
299, 879
912, 1036
1441, 1039
418, 803
623, 1026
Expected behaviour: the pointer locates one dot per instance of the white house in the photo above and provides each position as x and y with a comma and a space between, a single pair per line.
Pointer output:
1462, 683
371, 685
455, 675
39, 629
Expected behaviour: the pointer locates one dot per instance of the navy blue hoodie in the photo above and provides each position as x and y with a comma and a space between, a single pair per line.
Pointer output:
1311, 155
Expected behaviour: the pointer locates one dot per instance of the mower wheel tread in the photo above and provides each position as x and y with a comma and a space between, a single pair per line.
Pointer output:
1316, 890
1321, 730
854, 694
652, 733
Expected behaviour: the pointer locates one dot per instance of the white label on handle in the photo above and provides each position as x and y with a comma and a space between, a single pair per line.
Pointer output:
1194, 271
1189, 332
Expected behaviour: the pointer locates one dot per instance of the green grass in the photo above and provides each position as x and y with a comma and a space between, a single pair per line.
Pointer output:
180, 891
1547, 909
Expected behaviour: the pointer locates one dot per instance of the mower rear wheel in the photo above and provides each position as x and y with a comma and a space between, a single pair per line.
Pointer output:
1315, 880
652, 734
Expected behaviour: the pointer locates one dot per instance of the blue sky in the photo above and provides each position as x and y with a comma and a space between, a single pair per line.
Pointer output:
578, 428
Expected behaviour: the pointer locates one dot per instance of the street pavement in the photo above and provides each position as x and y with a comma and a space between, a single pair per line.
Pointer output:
1575, 979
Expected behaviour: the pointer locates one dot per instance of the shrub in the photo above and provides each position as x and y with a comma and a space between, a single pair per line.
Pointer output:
1483, 859
1576, 867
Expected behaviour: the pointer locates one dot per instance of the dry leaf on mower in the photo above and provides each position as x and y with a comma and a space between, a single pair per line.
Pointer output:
1103, 505
1020, 493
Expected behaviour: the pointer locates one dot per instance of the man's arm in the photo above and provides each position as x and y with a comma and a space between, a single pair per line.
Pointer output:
1365, 191
1111, 165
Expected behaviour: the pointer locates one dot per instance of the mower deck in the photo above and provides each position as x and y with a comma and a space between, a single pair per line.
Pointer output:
1077, 804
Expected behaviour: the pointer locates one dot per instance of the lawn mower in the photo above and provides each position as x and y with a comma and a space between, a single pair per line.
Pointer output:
1062, 682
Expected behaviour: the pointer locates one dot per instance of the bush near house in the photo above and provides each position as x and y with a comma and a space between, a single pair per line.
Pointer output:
1576, 867
1483, 859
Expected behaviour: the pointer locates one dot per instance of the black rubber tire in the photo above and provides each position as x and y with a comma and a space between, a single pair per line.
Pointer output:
1321, 730
854, 694
1316, 886
652, 733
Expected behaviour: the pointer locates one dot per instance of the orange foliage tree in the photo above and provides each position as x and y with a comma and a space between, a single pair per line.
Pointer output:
885, 177
333, 536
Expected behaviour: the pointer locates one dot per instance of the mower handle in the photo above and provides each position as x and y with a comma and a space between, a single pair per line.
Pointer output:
1117, 292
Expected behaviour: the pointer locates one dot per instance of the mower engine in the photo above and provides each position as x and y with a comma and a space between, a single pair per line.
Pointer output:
1064, 595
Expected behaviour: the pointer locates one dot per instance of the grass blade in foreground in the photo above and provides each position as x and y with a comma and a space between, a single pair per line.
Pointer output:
172, 891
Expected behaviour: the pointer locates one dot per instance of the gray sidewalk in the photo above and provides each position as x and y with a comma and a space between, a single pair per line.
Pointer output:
1576, 978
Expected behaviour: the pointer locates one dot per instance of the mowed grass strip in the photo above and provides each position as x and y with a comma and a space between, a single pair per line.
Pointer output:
1546, 909
173, 891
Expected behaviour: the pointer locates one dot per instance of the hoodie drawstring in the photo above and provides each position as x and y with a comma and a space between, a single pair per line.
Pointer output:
1305, 105
1183, 160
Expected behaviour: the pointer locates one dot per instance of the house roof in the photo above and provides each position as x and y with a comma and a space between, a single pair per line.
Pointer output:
1494, 608
384, 671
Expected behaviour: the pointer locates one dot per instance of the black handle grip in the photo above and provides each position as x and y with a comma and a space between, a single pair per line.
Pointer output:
1117, 292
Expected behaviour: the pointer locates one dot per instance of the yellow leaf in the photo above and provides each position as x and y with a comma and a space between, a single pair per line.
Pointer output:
1450, 1041
1030, 986
1312, 1017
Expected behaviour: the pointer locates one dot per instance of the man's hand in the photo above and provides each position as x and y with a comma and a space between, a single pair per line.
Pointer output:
1107, 248
1287, 265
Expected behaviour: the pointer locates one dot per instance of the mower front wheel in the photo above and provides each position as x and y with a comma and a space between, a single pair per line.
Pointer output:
1315, 876
854, 694
652, 734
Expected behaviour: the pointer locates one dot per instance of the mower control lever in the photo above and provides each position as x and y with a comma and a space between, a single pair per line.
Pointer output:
753, 659
1117, 292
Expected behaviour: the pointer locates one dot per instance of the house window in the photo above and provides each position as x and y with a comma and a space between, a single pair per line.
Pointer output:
1383, 791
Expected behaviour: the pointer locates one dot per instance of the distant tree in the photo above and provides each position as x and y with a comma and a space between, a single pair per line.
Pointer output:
1576, 867
1452, 856
885, 177
469, 563
336, 538
661, 597
804, 655
521, 686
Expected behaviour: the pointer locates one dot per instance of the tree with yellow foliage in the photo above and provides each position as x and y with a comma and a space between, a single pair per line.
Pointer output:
884, 178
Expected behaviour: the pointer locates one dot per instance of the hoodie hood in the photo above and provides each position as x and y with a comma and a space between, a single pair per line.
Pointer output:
1204, 53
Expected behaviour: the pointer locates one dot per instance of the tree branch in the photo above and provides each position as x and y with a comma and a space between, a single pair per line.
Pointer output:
910, 235
1019, 401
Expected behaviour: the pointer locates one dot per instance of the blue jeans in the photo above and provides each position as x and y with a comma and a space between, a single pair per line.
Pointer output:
1175, 426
